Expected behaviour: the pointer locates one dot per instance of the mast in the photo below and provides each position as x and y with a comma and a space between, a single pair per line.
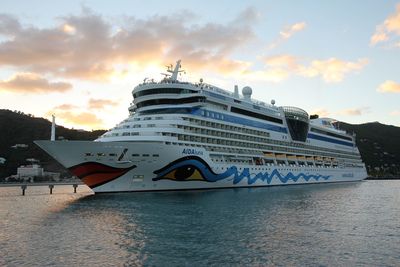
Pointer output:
53, 128
176, 70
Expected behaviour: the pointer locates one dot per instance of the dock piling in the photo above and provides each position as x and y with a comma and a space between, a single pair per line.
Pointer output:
51, 186
23, 187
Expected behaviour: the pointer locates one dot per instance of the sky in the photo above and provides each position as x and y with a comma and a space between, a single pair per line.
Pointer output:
80, 60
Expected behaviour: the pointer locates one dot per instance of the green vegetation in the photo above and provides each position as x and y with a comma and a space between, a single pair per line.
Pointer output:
379, 144
19, 128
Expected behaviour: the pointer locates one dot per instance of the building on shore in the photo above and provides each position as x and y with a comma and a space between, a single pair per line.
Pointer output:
28, 173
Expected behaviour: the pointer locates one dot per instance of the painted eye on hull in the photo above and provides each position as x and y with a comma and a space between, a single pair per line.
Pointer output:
184, 173
190, 168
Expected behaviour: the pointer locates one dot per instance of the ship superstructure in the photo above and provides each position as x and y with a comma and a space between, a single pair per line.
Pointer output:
182, 135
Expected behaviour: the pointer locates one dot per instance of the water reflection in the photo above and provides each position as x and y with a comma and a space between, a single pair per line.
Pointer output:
240, 225
332, 224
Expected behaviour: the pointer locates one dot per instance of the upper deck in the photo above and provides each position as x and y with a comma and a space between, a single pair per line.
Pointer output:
171, 91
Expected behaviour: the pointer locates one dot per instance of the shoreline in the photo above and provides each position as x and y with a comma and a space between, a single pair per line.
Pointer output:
382, 178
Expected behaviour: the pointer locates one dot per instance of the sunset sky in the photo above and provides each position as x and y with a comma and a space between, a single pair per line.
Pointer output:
80, 60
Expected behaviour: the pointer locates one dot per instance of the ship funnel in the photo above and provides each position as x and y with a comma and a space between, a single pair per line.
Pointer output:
53, 128
236, 92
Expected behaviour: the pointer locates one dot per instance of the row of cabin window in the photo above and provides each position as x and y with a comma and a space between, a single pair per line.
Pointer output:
255, 132
126, 126
226, 127
88, 154
231, 150
210, 140
197, 130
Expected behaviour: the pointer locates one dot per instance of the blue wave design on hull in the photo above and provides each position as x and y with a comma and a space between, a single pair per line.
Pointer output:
208, 175
267, 177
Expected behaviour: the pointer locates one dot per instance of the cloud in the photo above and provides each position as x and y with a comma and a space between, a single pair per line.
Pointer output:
9, 25
392, 23
88, 47
332, 70
389, 87
78, 116
66, 107
32, 83
287, 61
354, 111
395, 113
287, 33
101, 103
82, 119
290, 30
379, 36
390, 27
321, 112
69, 29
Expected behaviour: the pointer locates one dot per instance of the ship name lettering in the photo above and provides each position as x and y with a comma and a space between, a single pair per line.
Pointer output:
191, 151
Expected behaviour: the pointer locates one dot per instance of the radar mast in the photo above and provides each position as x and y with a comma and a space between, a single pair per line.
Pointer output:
176, 71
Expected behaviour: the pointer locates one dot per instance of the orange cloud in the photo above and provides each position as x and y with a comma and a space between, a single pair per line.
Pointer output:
321, 112
101, 103
87, 46
354, 111
332, 70
395, 113
65, 107
32, 83
379, 36
83, 119
69, 29
287, 61
391, 25
290, 30
287, 33
389, 87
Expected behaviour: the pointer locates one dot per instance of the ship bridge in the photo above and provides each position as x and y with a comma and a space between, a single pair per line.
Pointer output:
298, 123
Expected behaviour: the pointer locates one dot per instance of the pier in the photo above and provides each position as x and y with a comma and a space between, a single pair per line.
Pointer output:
51, 185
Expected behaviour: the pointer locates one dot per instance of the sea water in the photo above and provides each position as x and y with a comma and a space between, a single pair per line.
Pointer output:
349, 224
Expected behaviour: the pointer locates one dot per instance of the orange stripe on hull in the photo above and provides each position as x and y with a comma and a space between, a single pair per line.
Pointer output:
94, 174
97, 179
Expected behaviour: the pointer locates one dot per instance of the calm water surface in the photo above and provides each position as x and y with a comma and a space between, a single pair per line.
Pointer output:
352, 224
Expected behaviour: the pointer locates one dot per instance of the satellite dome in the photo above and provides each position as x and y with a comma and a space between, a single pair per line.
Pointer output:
246, 91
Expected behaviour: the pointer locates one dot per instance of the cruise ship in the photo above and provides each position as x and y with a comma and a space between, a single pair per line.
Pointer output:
182, 135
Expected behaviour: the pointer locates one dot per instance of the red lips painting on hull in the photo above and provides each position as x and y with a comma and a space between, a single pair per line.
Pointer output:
94, 174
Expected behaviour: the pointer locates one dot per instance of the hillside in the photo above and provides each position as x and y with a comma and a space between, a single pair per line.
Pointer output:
379, 144
20, 128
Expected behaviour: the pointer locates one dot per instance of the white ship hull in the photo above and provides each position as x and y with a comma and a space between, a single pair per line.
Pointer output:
153, 166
